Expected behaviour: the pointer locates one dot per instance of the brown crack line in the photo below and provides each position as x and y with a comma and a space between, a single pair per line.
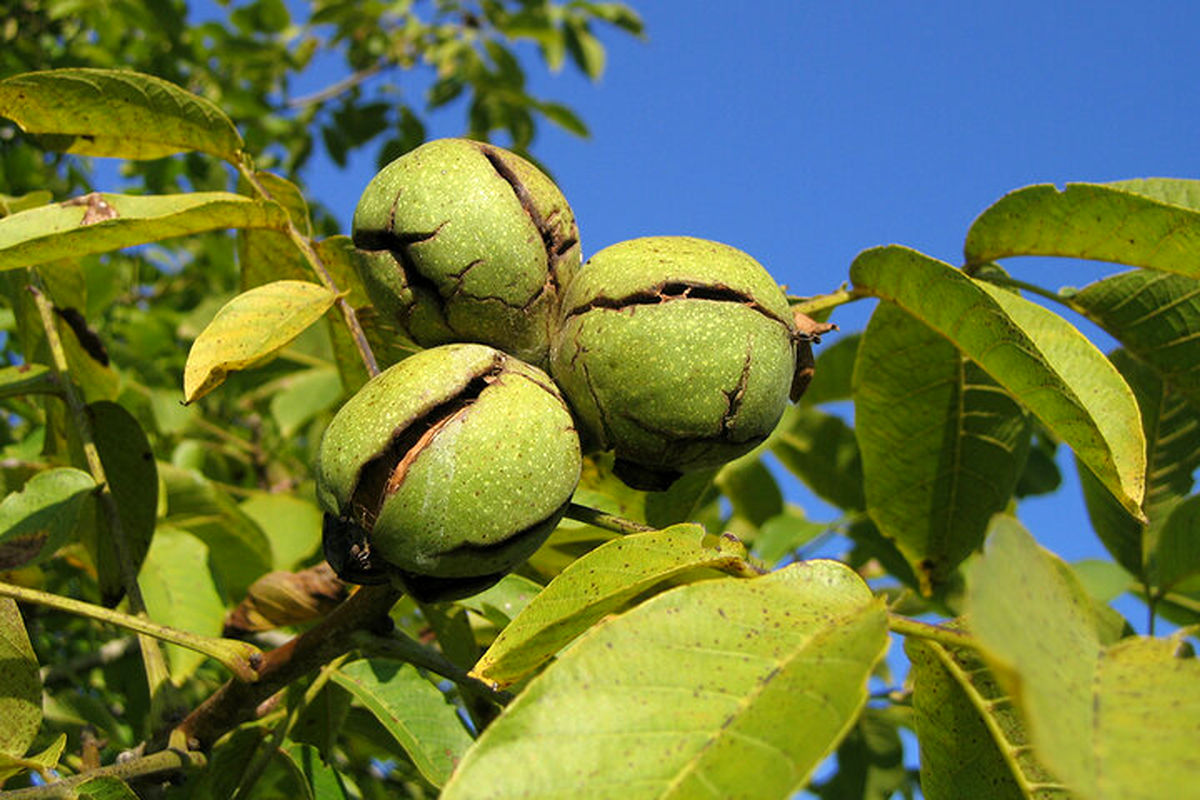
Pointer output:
734, 398
381, 476
669, 291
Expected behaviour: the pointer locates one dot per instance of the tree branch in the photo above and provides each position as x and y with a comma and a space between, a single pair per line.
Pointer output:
335, 89
169, 760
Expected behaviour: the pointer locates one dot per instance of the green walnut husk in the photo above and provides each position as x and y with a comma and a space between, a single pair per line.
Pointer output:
676, 353
467, 242
445, 471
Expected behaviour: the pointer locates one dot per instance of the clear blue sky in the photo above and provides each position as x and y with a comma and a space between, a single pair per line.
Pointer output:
804, 132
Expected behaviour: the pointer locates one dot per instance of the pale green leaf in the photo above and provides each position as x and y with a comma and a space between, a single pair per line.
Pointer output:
599, 583
1037, 356
942, 445
412, 710
11, 205
239, 552
21, 688
1141, 224
1117, 719
1156, 316
99, 112
502, 602
292, 524
132, 475
40, 518
973, 743
701, 691
303, 396
179, 592
99, 223
249, 328
28, 379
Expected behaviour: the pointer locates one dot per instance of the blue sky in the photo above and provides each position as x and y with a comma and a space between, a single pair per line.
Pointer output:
805, 132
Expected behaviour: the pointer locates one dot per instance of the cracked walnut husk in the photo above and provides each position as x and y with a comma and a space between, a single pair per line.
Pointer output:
464, 241
676, 353
445, 471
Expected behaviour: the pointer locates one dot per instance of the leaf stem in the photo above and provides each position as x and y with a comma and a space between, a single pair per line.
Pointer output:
401, 647
823, 302
907, 626
602, 519
305, 246
239, 657
1032, 288
168, 760
157, 674
236, 702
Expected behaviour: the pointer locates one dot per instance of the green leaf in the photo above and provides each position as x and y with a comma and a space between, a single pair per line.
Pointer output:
292, 524
751, 489
599, 583
1174, 552
820, 449
1038, 357
502, 602
325, 781
179, 592
785, 533
684, 697
681, 501
40, 518
42, 762
973, 742
1172, 456
1152, 224
99, 223
11, 205
833, 372
1156, 316
870, 761
303, 396
564, 118
99, 112
104, 788
585, 49
942, 445
249, 328
1110, 720
238, 551
412, 710
132, 474
28, 379
21, 689
267, 255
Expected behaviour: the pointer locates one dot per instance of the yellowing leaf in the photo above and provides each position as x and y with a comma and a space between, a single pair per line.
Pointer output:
102, 112
249, 328
98, 223
702, 691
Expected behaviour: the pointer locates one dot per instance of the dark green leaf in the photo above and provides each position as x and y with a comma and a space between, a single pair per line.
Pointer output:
28, 379
833, 372
820, 449
942, 445
585, 49
785, 533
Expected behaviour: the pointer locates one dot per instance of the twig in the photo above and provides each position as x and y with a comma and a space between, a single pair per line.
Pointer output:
239, 657
906, 626
157, 674
168, 760
602, 519
305, 246
333, 90
823, 302
235, 702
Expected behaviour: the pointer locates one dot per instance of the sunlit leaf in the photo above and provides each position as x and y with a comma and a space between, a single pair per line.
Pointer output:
21, 689
1156, 316
1038, 357
942, 445
700, 691
40, 518
412, 710
99, 223
99, 112
1153, 223
303, 396
502, 602
1172, 456
249, 328
599, 583
292, 524
973, 742
41, 762
179, 592
1117, 719
105, 788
